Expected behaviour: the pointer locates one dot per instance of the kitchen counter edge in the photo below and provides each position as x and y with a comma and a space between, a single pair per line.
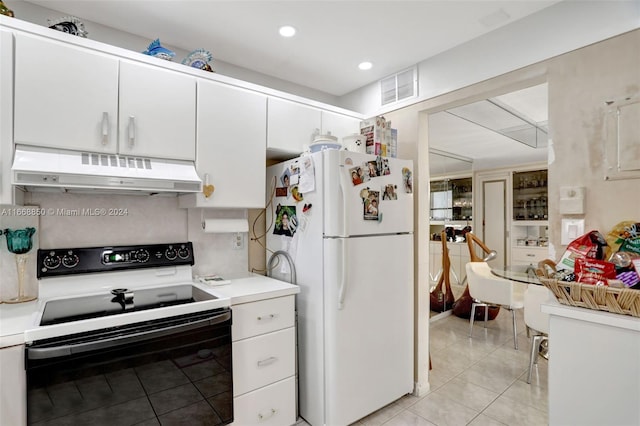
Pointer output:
242, 290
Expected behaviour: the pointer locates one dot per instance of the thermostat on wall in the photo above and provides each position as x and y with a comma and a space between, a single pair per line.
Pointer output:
572, 199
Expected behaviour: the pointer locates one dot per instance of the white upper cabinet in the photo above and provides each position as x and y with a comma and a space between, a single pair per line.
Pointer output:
339, 125
157, 112
74, 98
65, 96
291, 126
6, 118
231, 138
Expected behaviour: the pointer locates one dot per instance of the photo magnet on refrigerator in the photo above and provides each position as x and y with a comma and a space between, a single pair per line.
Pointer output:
372, 169
386, 170
285, 178
407, 180
389, 192
371, 205
356, 173
286, 221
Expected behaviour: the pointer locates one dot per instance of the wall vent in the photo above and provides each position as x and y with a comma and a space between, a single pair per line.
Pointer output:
400, 86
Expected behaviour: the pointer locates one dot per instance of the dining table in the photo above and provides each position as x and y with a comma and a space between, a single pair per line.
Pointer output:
520, 273
525, 274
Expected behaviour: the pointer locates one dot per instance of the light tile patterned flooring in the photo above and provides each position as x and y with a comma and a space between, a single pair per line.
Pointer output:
478, 382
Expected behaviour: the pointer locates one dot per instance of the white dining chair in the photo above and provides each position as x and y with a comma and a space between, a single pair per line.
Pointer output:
537, 322
487, 290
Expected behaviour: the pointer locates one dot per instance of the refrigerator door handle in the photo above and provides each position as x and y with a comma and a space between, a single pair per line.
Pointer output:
343, 191
342, 290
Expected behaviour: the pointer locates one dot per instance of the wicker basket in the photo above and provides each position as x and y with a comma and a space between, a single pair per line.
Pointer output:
600, 298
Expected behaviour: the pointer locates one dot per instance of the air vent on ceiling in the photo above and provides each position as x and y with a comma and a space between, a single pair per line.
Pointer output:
400, 86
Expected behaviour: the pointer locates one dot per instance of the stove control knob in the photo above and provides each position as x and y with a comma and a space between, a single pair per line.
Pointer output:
70, 260
183, 252
142, 255
171, 253
51, 261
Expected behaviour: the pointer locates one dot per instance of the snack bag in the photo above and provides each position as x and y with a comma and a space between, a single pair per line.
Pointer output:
594, 271
591, 246
625, 236
624, 245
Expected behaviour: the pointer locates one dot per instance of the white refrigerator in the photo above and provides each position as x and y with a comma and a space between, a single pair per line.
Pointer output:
346, 221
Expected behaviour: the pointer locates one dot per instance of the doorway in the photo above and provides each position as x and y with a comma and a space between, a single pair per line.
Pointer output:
494, 218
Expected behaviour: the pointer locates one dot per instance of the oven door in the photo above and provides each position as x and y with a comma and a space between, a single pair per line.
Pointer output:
168, 371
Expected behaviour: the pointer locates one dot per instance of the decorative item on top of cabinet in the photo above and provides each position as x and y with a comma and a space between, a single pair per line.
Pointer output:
4, 10
199, 58
157, 50
68, 24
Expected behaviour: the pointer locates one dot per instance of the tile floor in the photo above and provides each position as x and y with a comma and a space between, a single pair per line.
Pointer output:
477, 382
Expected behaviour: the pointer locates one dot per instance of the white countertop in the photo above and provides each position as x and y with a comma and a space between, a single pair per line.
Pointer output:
252, 288
591, 315
16, 318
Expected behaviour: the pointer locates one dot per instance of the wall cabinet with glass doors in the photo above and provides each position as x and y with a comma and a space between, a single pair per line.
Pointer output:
451, 200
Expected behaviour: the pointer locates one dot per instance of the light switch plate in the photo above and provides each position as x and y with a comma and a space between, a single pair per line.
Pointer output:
571, 229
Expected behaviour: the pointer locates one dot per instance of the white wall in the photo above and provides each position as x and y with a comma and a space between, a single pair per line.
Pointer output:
555, 30
149, 220
38, 15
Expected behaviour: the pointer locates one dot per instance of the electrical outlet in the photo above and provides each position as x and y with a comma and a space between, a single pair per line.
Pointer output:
238, 241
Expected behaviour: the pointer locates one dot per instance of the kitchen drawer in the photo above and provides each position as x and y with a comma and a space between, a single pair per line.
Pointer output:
273, 405
528, 255
265, 316
262, 360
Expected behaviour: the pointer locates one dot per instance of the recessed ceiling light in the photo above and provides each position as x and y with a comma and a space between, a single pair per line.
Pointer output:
365, 65
287, 31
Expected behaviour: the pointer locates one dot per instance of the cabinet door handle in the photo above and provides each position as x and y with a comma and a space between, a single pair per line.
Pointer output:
105, 128
266, 317
267, 361
531, 255
132, 130
262, 417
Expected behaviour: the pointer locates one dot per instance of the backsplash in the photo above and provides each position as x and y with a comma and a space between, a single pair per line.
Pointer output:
86, 220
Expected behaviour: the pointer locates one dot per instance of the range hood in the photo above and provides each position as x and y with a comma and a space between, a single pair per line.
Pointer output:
38, 168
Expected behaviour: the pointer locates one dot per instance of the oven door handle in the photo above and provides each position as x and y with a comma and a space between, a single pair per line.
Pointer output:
66, 350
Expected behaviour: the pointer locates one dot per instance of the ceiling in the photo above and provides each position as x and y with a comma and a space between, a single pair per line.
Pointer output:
332, 38
455, 140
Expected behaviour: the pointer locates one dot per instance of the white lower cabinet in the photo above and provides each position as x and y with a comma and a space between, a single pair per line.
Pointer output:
528, 255
262, 360
264, 348
13, 386
270, 405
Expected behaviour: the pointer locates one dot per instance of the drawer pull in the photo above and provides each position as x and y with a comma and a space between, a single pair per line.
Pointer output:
262, 417
267, 361
531, 255
267, 317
